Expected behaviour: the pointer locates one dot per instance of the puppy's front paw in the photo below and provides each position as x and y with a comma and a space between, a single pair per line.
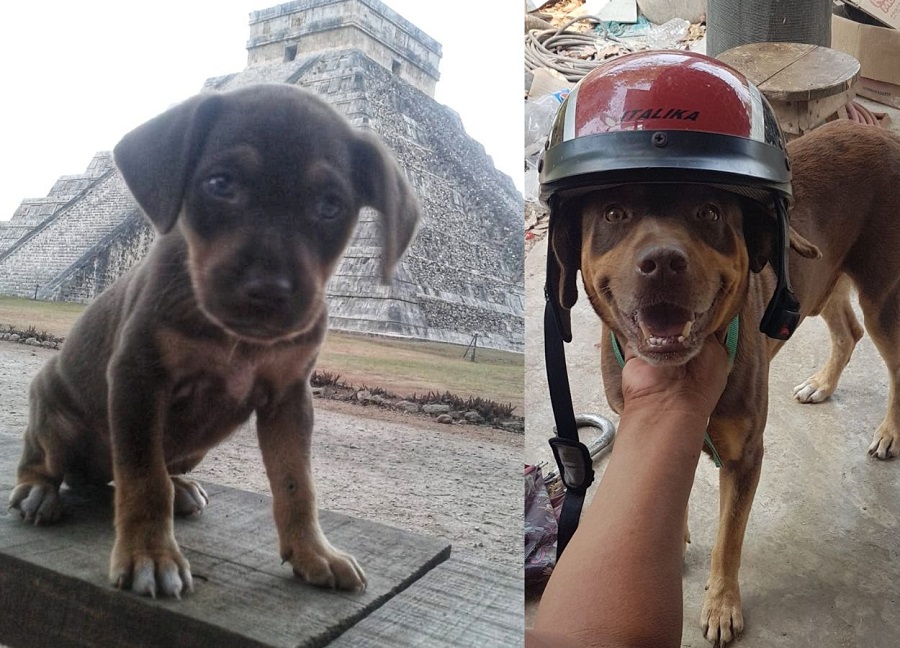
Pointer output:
157, 568
318, 563
886, 442
721, 618
37, 502
190, 498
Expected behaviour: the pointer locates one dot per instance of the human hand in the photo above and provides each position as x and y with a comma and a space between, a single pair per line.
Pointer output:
693, 387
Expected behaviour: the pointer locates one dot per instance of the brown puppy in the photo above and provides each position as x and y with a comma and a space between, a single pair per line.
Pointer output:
255, 194
666, 266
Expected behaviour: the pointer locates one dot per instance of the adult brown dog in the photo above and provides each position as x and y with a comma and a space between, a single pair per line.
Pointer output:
667, 266
255, 193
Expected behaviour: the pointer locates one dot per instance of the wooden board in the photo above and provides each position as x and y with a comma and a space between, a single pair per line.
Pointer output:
54, 589
462, 602
794, 71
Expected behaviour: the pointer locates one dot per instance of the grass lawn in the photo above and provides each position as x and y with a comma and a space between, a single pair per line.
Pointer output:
54, 317
403, 367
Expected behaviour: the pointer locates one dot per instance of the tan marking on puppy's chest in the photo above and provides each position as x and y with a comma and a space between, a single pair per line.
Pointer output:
237, 366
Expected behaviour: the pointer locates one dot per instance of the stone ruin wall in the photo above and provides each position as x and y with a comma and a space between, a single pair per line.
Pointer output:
128, 244
33, 212
42, 257
468, 256
304, 27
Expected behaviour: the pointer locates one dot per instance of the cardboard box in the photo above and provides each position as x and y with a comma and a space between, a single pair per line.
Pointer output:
878, 51
887, 11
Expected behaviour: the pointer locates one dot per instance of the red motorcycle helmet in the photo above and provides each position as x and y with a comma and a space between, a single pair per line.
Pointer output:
674, 117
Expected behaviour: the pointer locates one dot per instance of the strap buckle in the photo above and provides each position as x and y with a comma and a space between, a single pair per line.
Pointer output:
573, 460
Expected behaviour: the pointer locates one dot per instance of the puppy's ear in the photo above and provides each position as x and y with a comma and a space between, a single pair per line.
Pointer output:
382, 185
157, 158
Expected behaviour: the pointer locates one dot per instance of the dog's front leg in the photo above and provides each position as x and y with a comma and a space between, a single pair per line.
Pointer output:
741, 451
145, 557
285, 430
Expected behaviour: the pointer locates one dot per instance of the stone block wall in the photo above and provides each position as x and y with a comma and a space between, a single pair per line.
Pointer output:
100, 268
33, 212
293, 29
54, 246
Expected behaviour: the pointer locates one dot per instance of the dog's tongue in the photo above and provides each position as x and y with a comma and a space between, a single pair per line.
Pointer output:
665, 322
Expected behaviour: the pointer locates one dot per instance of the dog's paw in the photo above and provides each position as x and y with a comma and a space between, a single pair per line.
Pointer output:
325, 566
152, 570
721, 618
886, 442
39, 503
813, 390
190, 498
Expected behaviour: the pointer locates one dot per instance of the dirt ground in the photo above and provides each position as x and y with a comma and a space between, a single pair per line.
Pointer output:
459, 483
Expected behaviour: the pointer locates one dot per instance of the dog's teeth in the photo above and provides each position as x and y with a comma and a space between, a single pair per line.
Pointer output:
680, 339
645, 331
686, 330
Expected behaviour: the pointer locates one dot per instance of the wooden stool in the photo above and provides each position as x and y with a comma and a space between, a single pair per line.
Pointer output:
806, 84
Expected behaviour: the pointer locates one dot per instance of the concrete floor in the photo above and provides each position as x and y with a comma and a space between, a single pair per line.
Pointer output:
821, 560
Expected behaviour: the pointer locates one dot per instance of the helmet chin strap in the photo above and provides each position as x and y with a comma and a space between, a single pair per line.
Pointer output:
782, 315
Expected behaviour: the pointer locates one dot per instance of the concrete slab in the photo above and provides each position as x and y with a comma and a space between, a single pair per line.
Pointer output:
821, 562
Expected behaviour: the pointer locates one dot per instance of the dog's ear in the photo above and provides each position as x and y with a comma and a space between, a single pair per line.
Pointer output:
759, 234
565, 242
760, 237
157, 158
382, 185
562, 270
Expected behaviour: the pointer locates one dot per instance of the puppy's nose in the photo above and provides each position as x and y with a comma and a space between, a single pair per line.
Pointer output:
661, 261
272, 291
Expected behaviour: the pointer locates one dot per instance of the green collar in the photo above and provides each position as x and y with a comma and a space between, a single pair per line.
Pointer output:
731, 343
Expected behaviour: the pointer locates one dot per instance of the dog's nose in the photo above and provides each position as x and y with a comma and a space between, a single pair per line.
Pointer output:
272, 291
662, 261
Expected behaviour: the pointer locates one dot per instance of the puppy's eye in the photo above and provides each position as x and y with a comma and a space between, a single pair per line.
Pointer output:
708, 213
615, 214
328, 207
220, 185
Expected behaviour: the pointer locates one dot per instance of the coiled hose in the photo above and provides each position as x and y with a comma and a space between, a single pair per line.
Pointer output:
859, 113
546, 48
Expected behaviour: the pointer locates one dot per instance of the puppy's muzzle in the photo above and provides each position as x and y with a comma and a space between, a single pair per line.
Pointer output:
258, 292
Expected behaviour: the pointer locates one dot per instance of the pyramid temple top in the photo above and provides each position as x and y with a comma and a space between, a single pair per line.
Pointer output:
294, 29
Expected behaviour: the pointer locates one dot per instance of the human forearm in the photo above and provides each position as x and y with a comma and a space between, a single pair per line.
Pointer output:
619, 582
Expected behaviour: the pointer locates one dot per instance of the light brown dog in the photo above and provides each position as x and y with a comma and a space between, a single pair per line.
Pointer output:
667, 266
255, 194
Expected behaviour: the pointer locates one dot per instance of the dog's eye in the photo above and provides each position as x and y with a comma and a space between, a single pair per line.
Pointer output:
615, 214
220, 186
708, 213
328, 207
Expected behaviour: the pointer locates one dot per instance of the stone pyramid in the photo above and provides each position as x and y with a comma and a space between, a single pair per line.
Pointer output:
462, 276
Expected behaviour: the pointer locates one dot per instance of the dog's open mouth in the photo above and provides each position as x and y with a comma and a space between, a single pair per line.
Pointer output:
664, 328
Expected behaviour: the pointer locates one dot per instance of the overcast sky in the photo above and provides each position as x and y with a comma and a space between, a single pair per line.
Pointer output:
80, 74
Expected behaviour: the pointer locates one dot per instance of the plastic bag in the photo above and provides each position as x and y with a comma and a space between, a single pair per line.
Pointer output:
539, 116
668, 35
